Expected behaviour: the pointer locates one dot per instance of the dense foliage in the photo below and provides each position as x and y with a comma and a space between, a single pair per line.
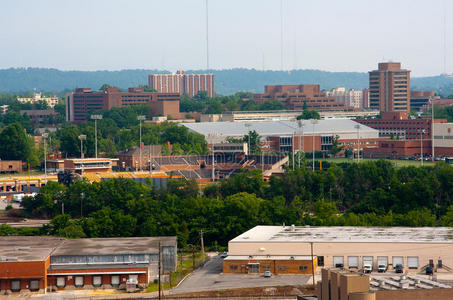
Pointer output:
371, 193
227, 82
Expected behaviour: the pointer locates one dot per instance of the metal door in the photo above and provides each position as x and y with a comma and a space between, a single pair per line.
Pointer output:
115, 280
61, 281
34, 285
353, 261
338, 261
97, 280
412, 262
382, 260
78, 281
397, 260
368, 260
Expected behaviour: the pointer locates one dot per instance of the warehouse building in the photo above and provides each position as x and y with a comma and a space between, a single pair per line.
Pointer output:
348, 247
51, 263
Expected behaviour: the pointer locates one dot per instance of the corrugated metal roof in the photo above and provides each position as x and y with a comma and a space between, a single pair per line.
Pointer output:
278, 128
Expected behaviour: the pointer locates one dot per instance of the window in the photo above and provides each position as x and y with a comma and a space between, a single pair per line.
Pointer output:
15, 285
78, 281
266, 268
233, 267
115, 280
97, 280
61, 282
302, 268
34, 285
282, 268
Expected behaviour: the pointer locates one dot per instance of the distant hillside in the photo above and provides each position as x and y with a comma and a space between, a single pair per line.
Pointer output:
227, 81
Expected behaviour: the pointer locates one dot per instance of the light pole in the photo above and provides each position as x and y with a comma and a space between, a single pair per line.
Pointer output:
301, 128
358, 141
292, 148
432, 128
248, 133
82, 137
314, 121
422, 131
45, 135
96, 118
141, 118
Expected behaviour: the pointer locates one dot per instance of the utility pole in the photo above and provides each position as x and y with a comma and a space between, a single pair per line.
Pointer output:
313, 121
159, 269
202, 244
301, 136
140, 119
248, 128
358, 142
312, 265
432, 129
82, 137
421, 146
45, 135
292, 146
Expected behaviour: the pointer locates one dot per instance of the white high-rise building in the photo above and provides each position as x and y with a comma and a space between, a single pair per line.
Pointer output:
350, 97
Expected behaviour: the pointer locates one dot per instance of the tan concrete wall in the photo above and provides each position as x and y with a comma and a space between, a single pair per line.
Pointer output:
363, 296
352, 283
424, 251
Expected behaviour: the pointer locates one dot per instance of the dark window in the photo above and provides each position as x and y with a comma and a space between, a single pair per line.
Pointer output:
302, 268
320, 261
233, 267
266, 268
281, 268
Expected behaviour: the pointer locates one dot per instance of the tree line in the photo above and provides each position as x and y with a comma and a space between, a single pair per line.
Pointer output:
373, 193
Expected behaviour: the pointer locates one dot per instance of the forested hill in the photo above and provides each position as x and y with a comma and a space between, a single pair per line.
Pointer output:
226, 81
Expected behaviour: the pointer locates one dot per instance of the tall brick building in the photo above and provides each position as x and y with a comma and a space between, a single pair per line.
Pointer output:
81, 102
295, 96
183, 84
390, 88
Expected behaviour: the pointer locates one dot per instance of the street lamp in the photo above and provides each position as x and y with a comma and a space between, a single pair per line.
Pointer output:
95, 118
248, 132
301, 136
422, 131
314, 121
432, 128
82, 137
141, 118
45, 135
358, 141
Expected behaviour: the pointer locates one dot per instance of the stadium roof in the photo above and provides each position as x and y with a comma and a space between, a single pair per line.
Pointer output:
279, 128
346, 234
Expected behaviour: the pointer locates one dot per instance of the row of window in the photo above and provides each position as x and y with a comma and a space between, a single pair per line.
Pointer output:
96, 280
265, 268
353, 261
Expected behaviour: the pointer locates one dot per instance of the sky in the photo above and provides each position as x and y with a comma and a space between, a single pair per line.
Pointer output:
331, 35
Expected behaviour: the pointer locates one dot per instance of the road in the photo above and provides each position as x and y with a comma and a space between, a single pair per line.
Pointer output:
209, 277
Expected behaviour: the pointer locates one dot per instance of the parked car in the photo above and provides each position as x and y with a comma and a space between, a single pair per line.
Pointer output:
429, 271
382, 268
399, 268
367, 268
224, 254
268, 274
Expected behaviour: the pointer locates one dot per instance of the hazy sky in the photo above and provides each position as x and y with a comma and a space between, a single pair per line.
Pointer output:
333, 35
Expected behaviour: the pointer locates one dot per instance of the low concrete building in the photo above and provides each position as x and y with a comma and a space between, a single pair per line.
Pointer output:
10, 166
350, 247
51, 263
277, 264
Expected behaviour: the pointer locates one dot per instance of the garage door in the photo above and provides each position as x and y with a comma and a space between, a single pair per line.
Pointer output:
412, 262
353, 261
338, 261
15, 285
97, 280
397, 260
78, 281
368, 260
34, 285
382, 260
115, 281
61, 282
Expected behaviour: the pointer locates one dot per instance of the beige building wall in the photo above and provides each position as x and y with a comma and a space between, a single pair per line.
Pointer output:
424, 251
443, 135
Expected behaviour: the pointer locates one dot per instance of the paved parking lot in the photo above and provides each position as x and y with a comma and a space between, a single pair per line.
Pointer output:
209, 278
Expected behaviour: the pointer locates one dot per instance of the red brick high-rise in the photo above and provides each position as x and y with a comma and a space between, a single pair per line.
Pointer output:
183, 84
390, 88
81, 102
296, 96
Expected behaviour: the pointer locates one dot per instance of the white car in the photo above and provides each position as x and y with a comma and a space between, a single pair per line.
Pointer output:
224, 254
367, 268
268, 274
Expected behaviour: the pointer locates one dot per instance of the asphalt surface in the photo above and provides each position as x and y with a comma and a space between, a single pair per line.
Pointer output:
209, 277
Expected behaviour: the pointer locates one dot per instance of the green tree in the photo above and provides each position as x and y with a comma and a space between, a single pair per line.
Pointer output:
253, 141
15, 144
309, 114
69, 141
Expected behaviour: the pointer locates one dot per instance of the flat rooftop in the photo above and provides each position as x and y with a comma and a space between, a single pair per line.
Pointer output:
27, 248
269, 257
346, 234
103, 246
